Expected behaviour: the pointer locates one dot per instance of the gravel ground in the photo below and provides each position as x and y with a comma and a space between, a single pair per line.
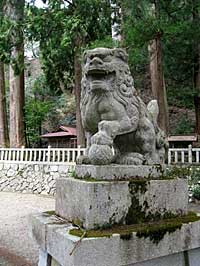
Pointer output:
17, 247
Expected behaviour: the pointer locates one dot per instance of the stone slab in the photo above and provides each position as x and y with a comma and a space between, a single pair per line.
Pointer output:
116, 171
104, 251
39, 234
103, 203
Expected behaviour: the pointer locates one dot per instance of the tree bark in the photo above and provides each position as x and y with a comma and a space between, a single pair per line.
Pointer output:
196, 77
157, 76
15, 12
4, 139
77, 91
17, 129
158, 83
197, 89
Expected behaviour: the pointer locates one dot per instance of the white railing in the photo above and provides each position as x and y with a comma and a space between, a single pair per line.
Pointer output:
41, 156
69, 155
184, 155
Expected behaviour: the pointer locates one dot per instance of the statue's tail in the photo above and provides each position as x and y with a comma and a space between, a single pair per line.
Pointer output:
152, 112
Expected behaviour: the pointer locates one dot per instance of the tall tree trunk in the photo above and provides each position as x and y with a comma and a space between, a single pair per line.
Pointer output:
77, 90
156, 73
15, 12
17, 131
196, 77
4, 139
158, 83
197, 90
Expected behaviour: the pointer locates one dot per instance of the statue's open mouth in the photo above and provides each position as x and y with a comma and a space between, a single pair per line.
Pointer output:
100, 75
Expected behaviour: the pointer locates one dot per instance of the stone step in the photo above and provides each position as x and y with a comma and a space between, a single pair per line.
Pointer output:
119, 172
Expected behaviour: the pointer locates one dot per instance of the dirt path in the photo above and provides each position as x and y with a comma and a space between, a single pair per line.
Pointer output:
16, 244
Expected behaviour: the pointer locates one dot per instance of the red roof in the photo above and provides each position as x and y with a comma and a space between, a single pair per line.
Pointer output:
71, 130
62, 132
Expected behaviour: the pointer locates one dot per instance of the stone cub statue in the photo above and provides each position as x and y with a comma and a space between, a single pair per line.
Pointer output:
119, 127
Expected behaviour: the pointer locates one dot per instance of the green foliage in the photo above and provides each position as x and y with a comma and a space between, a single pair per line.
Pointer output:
181, 96
175, 23
106, 42
35, 112
194, 176
184, 126
196, 192
38, 104
11, 34
194, 182
62, 31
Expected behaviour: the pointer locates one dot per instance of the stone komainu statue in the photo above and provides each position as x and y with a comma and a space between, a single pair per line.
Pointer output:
119, 127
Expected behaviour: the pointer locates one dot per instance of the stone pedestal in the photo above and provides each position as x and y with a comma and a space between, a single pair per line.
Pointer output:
177, 248
105, 203
101, 217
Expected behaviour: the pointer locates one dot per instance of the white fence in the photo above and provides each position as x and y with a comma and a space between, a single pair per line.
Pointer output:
184, 155
41, 156
69, 155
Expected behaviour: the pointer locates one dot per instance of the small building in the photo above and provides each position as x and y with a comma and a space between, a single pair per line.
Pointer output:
181, 141
64, 137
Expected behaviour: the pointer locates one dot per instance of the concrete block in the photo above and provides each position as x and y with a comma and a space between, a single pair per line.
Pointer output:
68, 250
173, 260
38, 224
93, 204
194, 257
59, 245
44, 258
103, 203
116, 171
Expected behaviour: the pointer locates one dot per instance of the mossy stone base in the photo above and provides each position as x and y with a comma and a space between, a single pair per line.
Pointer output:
175, 248
101, 204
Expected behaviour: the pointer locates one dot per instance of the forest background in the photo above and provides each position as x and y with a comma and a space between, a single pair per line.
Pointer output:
161, 37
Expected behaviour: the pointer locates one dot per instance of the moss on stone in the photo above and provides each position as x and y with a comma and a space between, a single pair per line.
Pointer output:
136, 213
88, 178
77, 222
50, 213
154, 230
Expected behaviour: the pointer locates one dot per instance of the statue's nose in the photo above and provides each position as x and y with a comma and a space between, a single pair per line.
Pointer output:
96, 61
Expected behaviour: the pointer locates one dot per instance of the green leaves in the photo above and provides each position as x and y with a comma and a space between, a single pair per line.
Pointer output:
61, 30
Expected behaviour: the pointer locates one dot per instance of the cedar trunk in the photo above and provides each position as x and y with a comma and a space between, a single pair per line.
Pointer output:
17, 131
15, 12
4, 139
77, 90
158, 83
197, 90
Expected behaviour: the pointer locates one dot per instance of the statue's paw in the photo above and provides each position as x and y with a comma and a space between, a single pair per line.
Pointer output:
83, 159
131, 159
151, 159
101, 139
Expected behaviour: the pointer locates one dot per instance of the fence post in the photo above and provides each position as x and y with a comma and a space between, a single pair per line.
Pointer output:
49, 153
190, 153
169, 156
79, 151
22, 154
